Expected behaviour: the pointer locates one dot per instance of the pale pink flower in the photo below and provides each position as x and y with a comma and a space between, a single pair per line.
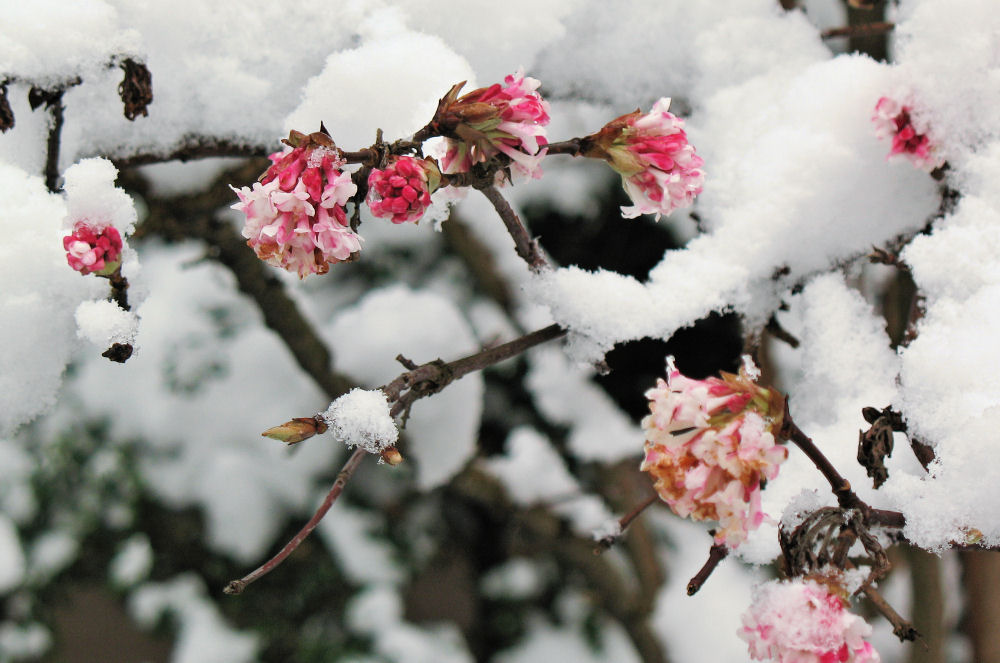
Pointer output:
93, 248
295, 217
804, 621
709, 444
894, 121
402, 191
659, 168
508, 119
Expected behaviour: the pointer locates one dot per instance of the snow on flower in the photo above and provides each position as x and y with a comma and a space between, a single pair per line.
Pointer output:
894, 121
93, 248
402, 191
659, 168
508, 119
709, 444
804, 621
295, 217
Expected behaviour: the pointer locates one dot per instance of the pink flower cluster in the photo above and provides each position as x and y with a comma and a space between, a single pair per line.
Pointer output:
893, 121
402, 191
295, 217
93, 249
659, 168
803, 621
508, 119
709, 444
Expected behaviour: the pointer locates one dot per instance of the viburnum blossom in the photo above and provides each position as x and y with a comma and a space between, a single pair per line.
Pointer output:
402, 191
710, 443
805, 621
93, 248
894, 121
508, 119
295, 217
659, 168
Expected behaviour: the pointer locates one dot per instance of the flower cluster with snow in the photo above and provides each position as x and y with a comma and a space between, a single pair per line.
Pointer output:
804, 621
709, 444
295, 217
509, 119
659, 168
895, 122
401, 192
93, 248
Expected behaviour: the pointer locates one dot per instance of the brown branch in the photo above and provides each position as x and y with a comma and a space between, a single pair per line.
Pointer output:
841, 487
193, 147
902, 628
623, 523
237, 586
716, 554
859, 30
432, 377
52, 99
526, 247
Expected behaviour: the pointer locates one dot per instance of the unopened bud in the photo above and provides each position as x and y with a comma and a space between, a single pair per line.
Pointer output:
391, 456
296, 430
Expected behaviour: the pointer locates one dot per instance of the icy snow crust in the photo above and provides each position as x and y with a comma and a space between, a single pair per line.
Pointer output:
797, 187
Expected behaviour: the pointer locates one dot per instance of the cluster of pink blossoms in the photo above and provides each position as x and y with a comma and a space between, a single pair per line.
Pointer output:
508, 119
402, 191
295, 217
804, 621
93, 248
893, 121
659, 168
709, 444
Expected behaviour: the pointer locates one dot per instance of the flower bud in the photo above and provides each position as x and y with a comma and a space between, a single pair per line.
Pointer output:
659, 168
402, 191
296, 430
93, 249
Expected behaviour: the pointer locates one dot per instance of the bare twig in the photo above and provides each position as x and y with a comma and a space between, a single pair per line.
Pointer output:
623, 523
434, 376
846, 496
716, 554
52, 99
526, 247
237, 586
859, 30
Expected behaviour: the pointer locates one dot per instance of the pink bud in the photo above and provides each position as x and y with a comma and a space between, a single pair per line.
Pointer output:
93, 249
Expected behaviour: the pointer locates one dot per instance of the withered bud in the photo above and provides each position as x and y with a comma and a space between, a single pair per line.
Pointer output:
136, 88
296, 430
391, 456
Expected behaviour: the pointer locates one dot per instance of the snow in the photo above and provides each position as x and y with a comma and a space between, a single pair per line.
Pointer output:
133, 561
421, 325
203, 635
104, 323
360, 418
12, 562
798, 190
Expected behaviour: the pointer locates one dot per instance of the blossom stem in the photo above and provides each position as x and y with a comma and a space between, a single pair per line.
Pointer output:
237, 586
716, 554
623, 523
526, 247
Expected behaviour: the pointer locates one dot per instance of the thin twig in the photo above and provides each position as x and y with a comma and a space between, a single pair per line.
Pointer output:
846, 496
716, 554
902, 628
623, 523
237, 586
434, 376
859, 30
526, 247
